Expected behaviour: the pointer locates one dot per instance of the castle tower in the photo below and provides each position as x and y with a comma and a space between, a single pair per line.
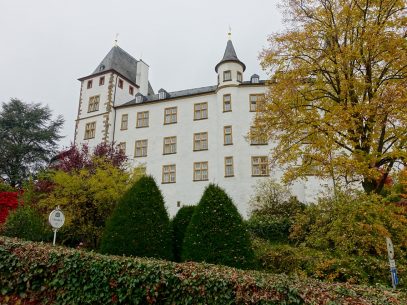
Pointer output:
116, 80
230, 69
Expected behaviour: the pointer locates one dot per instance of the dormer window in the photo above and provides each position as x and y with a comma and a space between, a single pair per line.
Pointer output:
227, 75
139, 98
102, 67
162, 94
239, 77
254, 79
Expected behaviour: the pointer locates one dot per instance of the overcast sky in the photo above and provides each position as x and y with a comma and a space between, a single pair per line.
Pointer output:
46, 45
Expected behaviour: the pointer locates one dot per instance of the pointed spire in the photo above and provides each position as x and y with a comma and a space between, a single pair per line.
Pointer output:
230, 55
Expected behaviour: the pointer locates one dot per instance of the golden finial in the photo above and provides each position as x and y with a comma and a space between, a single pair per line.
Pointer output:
116, 39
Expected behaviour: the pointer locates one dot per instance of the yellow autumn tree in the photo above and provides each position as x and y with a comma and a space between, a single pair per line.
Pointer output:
337, 102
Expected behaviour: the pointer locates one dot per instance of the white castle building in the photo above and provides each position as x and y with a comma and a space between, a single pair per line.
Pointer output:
185, 139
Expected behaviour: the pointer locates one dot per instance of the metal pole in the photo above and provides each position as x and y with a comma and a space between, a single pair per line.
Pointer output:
55, 237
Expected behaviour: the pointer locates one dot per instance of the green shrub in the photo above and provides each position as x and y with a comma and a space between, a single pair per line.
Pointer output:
216, 233
179, 226
270, 228
35, 273
26, 223
352, 224
139, 224
326, 265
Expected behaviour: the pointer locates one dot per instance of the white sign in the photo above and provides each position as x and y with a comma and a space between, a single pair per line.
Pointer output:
56, 218
390, 249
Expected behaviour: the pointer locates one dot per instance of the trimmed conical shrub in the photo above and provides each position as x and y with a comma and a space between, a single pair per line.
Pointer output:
139, 226
179, 226
216, 233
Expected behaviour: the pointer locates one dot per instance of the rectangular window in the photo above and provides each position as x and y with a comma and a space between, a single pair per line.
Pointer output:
200, 141
140, 148
124, 123
131, 90
170, 145
122, 147
89, 85
227, 103
120, 83
260, 166
142, 119
200, 111
170, 115
200, 171
229, 167
93, 103
257, 138
227, 75
169, 173
239, 77
255, 100
101, 81
90, 130
227, 135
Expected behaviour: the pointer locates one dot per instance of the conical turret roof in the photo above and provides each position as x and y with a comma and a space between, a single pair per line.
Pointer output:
230, 56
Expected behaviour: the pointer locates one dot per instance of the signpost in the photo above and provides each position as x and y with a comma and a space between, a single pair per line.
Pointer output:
56, 219
392, 263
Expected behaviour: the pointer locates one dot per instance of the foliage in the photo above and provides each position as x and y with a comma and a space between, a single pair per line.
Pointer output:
28, 137
216, 233
272, 211
352, 224
326, 265
43, 274
25, 222
139, 225
338, 89
179, 225
4, 187
87, 198
270, 228
80, 157
273, 199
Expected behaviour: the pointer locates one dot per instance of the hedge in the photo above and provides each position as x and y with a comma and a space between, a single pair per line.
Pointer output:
37, 273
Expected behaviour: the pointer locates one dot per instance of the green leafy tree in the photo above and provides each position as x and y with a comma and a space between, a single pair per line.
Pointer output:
26, 223
87, 197
29, 138
216, 233
139, 225
338, 91
179, 226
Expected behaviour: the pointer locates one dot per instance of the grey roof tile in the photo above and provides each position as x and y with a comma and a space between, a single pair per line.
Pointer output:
120, 61
230, 56
175, 94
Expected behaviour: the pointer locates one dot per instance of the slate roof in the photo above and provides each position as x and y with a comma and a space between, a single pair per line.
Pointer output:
175, 94
230, 56
120, 61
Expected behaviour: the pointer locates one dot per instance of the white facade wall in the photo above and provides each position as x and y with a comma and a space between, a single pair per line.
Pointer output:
117, 95
185, 190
